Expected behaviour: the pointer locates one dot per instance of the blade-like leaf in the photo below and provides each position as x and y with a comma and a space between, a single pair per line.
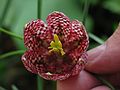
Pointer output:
14, 87
1, 88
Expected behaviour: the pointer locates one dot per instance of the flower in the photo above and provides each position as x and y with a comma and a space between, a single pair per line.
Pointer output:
57, 50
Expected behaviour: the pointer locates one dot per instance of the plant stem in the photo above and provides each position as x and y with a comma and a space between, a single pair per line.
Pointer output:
85, 11
39, 6
7, 5
105, 82
40, 83
97, 39
39, 80
11, 53
11, 34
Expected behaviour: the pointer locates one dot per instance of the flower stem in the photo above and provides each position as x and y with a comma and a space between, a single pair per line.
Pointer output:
11, 34
11, 53
97, 39
39, 6
40, 83
105, 82
39, 80
85, 11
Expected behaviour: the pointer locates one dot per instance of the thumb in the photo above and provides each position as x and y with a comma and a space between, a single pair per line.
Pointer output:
105, 58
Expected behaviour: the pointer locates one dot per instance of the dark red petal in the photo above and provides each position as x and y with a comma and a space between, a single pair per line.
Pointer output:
58, 23
80, 64
32, 58
78, 38
76, 70
34, 32
79, 28
28, 60
54, 76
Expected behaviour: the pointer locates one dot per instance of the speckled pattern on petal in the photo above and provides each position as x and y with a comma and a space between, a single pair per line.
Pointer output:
52, 65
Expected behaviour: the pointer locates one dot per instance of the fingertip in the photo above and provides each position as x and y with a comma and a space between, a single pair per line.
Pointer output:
105, 58
103, 87
68, 83
83, 81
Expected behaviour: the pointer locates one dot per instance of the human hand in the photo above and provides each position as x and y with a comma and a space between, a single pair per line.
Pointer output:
103, 60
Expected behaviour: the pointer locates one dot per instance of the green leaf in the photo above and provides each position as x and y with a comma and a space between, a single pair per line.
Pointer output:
2, 6
11, 53
97, 39
112, 5
11, 34
1, 88
14, 87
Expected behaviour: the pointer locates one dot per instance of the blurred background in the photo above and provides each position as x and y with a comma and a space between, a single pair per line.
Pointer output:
102, 19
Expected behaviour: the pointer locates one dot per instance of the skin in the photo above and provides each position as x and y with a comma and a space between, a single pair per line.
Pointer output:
103, 60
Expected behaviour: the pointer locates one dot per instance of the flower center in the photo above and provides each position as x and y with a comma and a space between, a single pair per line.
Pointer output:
56, 45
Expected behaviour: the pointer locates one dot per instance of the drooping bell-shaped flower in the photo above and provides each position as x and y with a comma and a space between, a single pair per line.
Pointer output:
57, 50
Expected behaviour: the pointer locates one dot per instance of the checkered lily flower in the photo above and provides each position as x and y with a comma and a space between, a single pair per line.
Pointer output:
57, 50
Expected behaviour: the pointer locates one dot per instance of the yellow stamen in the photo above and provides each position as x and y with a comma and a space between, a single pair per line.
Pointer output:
56, 45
